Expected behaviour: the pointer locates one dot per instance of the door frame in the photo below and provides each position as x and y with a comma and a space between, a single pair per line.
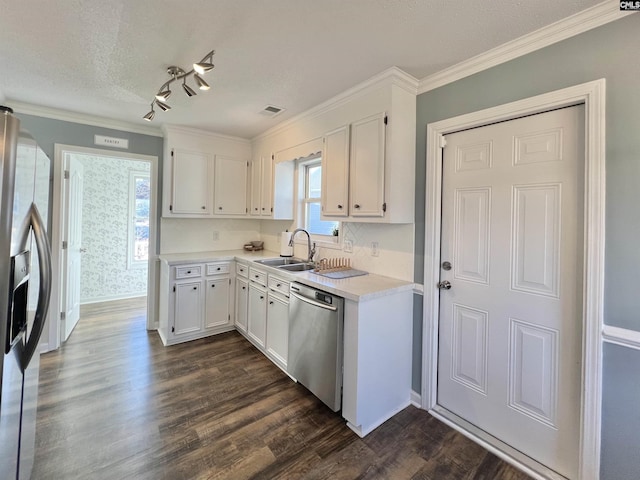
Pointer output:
57, 233
592, 95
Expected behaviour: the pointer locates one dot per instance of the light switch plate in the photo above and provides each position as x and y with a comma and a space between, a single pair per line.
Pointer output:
375, 252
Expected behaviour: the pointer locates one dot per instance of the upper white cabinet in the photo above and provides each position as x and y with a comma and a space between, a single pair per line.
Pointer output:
261, 186
368, 149
190, 186
230, 185
335, 173
272, 185
205, 175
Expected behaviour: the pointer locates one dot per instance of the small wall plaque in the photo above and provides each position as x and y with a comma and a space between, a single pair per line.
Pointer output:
111, 142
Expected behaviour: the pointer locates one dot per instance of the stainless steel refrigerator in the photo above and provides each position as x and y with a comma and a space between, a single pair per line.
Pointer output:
25, 290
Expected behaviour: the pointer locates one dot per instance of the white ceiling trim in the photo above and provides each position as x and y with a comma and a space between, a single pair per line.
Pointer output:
67, 116
588, 19
391, 76
203, 133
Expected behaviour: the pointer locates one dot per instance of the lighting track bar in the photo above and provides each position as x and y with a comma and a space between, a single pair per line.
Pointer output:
176, 74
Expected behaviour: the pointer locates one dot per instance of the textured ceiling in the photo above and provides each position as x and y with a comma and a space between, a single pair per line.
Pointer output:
108, 57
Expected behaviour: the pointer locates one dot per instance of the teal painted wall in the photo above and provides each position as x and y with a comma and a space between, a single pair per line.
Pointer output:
609, 52
47, 132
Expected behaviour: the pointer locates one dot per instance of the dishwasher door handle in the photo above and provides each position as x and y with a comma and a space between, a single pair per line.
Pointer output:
313, 302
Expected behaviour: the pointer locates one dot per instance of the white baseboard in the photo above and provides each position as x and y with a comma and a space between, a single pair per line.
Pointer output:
416, 399
109, 298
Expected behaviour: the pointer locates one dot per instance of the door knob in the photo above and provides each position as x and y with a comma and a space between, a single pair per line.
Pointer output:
446, 285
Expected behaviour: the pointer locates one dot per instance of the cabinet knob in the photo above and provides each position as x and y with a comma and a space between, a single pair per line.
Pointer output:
271, 302
261, 297
213, 285
256, 209
188, 272
278, 284
257, 276
244, 288
263, 208
204, 208
356, 206
218, 268
340, 207
195, 288
219, 208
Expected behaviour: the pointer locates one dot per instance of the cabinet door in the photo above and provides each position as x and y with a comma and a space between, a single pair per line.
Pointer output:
187, 314
256, 178
242, 299
266, 185
190, 189
257, 321
217, 303
366, 171
230, 186
278, 328
335, 173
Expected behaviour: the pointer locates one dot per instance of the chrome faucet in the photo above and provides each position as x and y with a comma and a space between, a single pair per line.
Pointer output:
311, 250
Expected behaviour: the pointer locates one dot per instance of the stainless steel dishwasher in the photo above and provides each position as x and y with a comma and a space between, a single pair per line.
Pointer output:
315, 342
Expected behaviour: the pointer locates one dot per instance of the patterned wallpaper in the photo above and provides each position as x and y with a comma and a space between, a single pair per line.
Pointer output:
105, 211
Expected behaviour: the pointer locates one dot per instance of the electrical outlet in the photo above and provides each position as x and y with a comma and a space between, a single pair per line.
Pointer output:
374, 249
216, 235
348, 246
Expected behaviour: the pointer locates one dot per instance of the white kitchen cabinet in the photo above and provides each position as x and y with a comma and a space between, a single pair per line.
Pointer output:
366, 167
261, 186
242, 299
257, 314
277, 328
335, 173
187, 312
196, 303
230, 185
191, 174
353, 169
217, 303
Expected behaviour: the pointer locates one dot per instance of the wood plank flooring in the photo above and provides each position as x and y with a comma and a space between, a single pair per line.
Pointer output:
115, 404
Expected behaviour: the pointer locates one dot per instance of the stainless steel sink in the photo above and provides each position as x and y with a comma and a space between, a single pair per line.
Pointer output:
297, 267
277, 262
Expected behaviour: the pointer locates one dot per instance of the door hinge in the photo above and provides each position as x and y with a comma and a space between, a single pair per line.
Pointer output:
66, 174
63, 316
64, 244
386, 120
443, 142
384, 207
174, 288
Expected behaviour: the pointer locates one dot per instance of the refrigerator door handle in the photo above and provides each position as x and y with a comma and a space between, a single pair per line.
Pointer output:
44, 294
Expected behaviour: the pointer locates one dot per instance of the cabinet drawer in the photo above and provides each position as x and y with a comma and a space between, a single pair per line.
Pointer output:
279, 285
258, 276
242, 270
188, 271
217, 268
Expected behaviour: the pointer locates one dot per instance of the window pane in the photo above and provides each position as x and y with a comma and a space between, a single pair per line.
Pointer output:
142, 188
314, 224
315, 180
141, 241
142, 208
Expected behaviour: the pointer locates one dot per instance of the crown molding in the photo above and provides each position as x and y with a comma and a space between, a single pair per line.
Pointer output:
82, 118
203, 133
390, 76
588, 19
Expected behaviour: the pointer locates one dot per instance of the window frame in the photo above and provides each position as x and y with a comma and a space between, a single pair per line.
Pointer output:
132, 263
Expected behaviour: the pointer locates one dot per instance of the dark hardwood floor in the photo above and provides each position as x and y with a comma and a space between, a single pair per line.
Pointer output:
115, 404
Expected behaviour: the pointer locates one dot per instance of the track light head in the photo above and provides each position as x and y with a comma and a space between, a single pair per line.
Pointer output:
149, 116
203, 67
187, 89
164, 95
163, 106
201, 83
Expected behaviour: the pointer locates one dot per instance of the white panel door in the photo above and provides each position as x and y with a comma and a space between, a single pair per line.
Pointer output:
257, 314
216, 308
366, 167
278, 328
73, 253
335, 173
187, 314
230, 186
512, 230
191, 175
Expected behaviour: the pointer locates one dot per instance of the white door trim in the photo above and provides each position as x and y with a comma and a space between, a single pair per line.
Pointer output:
57, 233
592, 95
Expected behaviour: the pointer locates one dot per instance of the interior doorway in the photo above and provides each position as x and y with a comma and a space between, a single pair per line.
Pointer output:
103, 233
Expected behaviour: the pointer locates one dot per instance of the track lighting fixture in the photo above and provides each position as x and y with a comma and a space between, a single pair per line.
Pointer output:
201, 83
177, 73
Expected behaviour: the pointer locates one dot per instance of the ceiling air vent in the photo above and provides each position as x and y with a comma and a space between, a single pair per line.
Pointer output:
271, 111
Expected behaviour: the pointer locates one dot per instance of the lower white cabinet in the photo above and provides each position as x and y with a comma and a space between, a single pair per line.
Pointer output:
242, 297
277, 328
196, 303
257, 313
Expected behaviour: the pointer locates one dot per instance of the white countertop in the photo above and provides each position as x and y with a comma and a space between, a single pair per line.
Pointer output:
360, 288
